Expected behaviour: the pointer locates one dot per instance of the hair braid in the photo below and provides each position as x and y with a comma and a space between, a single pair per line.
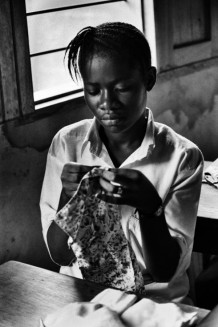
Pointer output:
117, 38
73, 50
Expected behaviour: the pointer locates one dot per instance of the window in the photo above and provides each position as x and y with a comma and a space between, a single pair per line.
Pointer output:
34, 34
51, 26
186, 31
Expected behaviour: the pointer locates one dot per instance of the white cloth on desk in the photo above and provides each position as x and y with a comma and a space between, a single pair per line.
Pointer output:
172, 163
211, 173
113, 308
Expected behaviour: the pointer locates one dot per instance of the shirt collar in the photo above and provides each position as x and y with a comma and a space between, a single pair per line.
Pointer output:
147, 145
93, 138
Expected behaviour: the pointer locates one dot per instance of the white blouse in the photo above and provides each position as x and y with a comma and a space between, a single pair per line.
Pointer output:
172, 163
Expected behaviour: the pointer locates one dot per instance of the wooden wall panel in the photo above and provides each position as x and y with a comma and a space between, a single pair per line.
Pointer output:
191, 21
164, 41
22, 59
9, 99
186, 32
214, 27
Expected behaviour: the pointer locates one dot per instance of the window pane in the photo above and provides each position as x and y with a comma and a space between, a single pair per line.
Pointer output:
51, 76
53, 31
38, 5
62, 26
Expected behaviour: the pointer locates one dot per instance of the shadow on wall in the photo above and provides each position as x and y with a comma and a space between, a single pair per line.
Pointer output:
20, 234
23, 155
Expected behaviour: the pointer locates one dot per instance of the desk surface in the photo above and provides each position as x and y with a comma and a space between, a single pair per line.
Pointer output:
208, 204
28, 293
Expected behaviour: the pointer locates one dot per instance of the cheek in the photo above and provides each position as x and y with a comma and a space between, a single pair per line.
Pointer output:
91, 103
138, 101
142, 98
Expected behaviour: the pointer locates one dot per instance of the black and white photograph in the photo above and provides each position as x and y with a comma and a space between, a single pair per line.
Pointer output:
108, 163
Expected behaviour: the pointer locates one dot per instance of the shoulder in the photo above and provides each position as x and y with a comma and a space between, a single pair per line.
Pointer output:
78, 129
74, 132
70, 136
177, 146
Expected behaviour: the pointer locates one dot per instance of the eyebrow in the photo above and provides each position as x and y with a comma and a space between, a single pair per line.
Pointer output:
113, 82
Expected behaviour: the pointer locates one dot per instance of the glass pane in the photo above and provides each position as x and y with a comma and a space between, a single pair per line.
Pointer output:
62, 26
51, 76
38, 5
51, 31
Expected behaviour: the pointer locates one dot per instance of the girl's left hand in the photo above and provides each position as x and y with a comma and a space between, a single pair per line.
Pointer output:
130, 187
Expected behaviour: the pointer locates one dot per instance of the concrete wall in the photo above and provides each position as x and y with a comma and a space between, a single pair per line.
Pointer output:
23, 154
185, 99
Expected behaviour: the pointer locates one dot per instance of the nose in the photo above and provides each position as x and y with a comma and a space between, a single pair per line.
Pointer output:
107, 101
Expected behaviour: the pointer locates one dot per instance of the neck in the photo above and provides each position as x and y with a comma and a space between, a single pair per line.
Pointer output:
133, 135
121, 145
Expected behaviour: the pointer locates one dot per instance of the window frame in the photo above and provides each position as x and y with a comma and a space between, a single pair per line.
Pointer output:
60, 97
168, 57
17, 101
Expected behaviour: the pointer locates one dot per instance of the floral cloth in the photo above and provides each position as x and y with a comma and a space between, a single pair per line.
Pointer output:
99, 244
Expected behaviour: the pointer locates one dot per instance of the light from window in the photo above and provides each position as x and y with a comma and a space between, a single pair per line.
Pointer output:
51, 26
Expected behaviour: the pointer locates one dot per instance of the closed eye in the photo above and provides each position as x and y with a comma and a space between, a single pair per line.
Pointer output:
123, 89
92, 91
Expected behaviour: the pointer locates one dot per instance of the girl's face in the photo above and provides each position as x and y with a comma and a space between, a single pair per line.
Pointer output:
114, 92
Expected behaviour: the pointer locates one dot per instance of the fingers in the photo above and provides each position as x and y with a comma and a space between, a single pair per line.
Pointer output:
119, 181
128, 186
73, 167
113, 192
121, 176
71, 176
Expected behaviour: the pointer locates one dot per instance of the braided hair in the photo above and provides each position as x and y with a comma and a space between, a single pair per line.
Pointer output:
108, 39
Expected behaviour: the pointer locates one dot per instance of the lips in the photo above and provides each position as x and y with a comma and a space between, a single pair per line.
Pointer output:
110, 120
111, 117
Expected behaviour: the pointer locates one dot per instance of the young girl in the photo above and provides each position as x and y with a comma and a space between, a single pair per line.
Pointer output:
152, 176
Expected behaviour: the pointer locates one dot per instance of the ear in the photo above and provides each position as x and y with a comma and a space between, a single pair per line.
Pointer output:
151, 78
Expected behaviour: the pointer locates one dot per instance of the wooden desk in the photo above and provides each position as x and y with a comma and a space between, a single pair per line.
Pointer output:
28, 293
208, 205
206, 235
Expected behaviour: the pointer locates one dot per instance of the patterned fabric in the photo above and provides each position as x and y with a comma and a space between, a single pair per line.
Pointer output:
99, 244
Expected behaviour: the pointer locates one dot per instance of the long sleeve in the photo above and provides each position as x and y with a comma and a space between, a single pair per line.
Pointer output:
52, 186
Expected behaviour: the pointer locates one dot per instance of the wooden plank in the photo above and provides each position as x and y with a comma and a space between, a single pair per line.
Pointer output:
183, 33
190, 21
181, 22
23, 65
7, 63
2, 107
164, 40
214, 27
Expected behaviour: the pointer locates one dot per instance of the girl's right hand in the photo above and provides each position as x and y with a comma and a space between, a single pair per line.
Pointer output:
71, 176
